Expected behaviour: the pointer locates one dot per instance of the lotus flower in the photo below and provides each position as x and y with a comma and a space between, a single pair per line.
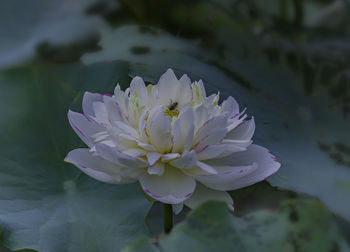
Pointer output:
181, 145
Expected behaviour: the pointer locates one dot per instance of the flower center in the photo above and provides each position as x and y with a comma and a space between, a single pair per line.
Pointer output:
171, 110
171, 113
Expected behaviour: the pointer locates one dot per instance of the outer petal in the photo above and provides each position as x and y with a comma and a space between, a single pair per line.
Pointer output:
230, 107
211, 151
211, 132
226, 177
115, 113
118, 157
244, 131
95, 166
88, 100
84, 127
202, 194
172, 188
207, 168
159, 130
241, 169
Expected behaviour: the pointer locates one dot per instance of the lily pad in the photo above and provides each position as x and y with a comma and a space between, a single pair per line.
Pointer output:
297, 225
46, 204
25, 24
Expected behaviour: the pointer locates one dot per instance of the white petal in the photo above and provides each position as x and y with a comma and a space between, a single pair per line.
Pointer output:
211, 151
187, 160
167, 87
88, 100
84, 127
137, 86
203, 194
201, 88
159, 130
119, 95
189, 138
263, 164
118, 157
199, 93
124, 140
169, 156
230, 107
94, 166
237, 143
145, 146
227, 176
153, 157
184, 93
196, 171
210, 100
127, 129
231, 148
172, 188
235, 122
120, 139
207, 168
101, 114
244, 131
211, 132
156, 169
185, 80
201, 115
100, 136
183, 130
135, 152
114, 111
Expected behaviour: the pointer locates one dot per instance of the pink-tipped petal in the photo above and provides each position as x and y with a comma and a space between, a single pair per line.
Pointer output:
84, 127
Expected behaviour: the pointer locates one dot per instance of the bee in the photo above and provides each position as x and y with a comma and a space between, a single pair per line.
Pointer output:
172, 105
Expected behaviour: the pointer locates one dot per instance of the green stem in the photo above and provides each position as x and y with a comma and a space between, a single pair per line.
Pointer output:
167, 217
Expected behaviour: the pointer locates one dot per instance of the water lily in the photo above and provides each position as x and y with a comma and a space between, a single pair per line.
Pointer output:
181, 145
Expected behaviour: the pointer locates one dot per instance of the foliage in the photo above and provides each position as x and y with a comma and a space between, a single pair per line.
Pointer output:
295, 225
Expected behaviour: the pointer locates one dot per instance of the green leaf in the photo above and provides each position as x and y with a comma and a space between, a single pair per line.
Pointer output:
141, 243
3, 249
306, 132
56, 22
296, 225
45, 203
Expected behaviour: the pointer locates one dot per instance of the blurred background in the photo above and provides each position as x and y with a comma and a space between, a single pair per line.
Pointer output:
287, 61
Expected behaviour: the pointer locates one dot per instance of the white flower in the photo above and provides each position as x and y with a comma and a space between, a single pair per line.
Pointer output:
179, 144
